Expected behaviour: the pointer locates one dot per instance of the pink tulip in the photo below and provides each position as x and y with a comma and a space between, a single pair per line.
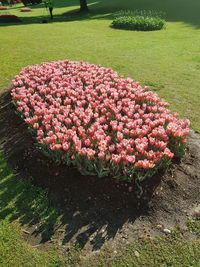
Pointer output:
76, 106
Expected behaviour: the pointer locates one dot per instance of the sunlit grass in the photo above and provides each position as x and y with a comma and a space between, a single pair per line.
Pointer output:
170, 250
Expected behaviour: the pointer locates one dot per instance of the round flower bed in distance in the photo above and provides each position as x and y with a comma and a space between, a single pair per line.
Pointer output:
138, 23
87, 116
139, 20
25, 9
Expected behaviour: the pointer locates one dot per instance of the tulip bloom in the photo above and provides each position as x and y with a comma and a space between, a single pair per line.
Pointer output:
93, 116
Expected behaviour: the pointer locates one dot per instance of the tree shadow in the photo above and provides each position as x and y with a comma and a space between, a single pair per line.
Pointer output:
175, 10
70, 16
90, 210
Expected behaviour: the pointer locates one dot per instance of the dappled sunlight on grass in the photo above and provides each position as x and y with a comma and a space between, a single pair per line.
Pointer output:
15, 252
19, 200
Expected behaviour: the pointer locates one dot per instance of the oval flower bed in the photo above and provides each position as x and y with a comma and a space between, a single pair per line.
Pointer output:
102, 123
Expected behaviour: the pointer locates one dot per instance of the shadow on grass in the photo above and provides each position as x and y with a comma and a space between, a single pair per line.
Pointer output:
74, 15
88, 209
176, 10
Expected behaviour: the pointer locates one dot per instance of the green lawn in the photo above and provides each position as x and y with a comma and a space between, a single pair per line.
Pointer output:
167, 60
14, 252
168, 251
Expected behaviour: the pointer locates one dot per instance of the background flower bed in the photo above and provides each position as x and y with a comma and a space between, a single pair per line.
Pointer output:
3, 8
25, 9
140, 20
9, 18
104, 124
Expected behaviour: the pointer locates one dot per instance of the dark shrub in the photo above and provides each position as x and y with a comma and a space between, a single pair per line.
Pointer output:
31, 2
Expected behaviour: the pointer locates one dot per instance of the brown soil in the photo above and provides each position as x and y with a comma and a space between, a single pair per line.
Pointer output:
95, 212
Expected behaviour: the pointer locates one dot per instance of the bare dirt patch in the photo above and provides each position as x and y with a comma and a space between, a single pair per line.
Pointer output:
97, 212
